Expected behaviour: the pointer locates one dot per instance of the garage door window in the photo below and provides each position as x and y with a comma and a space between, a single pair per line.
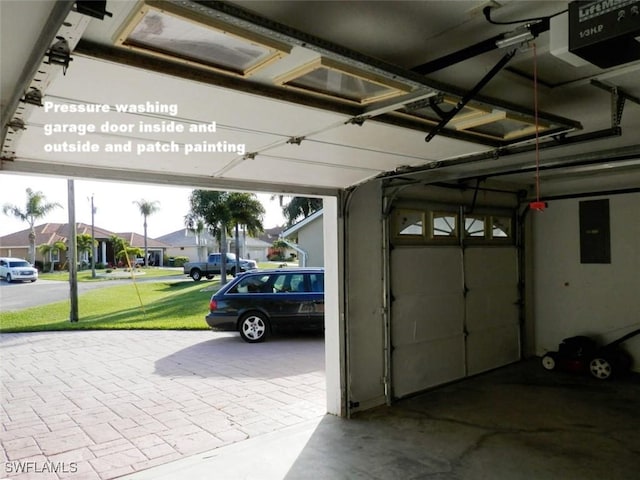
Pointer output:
326, 77
474, 226
410, 223
501, 228
437, 227
444, 225
177, 33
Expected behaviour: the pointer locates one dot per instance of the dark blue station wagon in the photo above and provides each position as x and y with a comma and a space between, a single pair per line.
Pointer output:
261, 301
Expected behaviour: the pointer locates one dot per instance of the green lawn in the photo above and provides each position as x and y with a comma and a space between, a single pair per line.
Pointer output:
165, 306
160, 305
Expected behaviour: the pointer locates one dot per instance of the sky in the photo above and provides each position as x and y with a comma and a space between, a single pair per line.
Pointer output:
115, 210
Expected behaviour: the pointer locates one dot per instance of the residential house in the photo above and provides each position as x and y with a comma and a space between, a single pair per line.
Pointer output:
186, 243
270, 235
17, 244
250, 247
306, 238
156, 248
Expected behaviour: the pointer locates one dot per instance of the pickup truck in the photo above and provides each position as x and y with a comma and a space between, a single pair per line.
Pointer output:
211, 267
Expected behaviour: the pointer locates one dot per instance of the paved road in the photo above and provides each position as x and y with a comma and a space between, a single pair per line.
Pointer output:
16, 296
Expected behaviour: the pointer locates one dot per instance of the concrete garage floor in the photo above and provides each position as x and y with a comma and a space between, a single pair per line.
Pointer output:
518, 422
103, 404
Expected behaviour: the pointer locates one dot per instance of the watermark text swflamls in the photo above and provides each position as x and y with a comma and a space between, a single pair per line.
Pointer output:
18, 466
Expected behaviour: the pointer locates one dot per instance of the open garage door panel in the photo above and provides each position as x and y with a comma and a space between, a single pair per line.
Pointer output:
454, 295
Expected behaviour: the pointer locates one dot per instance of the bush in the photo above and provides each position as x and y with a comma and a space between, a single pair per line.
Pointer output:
180, 261
39, 265
100, 265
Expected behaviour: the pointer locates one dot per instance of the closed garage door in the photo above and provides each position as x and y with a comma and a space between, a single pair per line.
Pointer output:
491, 308
454, 296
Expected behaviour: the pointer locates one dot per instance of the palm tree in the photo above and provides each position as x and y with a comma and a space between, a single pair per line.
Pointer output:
245, 210
36, 208
123, 251
213, 209
146, 208
197, 226
300, 207
119, 245
46, 249
85, 243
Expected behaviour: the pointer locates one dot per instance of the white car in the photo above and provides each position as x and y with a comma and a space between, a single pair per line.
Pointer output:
17, 270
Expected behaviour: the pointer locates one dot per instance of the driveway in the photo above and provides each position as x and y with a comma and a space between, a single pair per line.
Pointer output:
99, 405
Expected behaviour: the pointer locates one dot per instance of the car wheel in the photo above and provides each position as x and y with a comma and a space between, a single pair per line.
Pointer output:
196, 275
8, 278
549, 362
209, 277
253, 327
601, 368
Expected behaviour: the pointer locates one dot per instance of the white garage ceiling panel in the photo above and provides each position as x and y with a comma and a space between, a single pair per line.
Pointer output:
347, 156
406, 143
295, 172
196, 101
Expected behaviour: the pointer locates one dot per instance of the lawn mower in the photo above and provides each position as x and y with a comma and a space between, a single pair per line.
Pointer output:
582, 354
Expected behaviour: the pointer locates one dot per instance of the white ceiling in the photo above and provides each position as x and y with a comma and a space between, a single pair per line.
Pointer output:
334, 153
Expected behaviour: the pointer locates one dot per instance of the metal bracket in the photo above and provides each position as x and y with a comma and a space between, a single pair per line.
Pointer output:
16, 124
60, 54
434, 104
93, 8
617, 107
250, 156
618, 98
357, 120
425, 102
33, 97
295, 140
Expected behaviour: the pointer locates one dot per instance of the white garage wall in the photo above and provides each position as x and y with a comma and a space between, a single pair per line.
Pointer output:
364, 316
334, 340
570, 298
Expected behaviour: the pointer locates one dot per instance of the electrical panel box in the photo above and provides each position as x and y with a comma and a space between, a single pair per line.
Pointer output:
606, 33
595, 232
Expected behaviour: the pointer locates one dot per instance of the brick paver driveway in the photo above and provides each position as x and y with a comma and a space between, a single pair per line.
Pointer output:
98, 405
